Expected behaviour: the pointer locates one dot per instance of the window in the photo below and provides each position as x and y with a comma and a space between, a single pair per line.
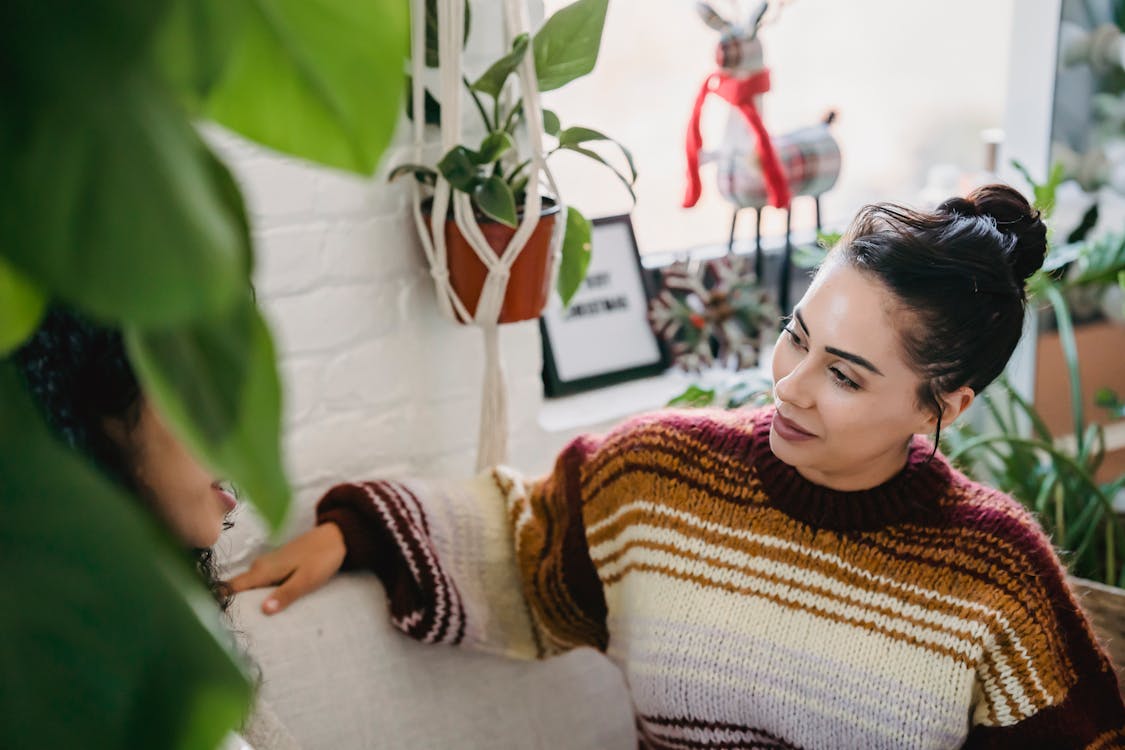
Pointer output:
914, 85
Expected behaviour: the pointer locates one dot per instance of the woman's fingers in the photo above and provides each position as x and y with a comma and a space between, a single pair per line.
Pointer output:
265, 571
317, 556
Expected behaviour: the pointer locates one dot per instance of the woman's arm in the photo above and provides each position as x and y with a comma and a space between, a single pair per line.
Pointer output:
494, 563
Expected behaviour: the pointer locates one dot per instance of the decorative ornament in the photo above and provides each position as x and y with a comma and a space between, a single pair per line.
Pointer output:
712, 313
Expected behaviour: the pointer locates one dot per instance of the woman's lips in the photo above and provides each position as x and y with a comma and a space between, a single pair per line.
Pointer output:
226, 496
790, 431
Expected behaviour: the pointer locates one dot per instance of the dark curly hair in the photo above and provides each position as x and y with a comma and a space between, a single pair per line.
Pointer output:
79, 376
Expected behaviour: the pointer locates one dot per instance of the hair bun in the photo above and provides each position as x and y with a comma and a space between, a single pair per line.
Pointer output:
1014, 217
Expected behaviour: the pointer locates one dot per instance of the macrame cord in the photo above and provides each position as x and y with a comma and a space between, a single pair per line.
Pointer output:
492, 446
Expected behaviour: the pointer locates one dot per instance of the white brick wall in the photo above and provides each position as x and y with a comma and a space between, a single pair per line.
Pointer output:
376, 380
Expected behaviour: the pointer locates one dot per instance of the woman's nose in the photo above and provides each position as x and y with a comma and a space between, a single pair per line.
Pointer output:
794, 388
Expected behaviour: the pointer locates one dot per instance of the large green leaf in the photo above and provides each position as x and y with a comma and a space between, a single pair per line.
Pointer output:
21, 307
567, 46
495, 144
576, 253
216, 382
107, 639
319, 79
113, 203
48, 47
493, 80
194, 43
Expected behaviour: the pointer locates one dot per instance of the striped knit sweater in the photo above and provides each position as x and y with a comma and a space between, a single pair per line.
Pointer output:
747, 607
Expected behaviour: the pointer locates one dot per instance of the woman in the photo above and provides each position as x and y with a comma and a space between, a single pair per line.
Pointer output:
809, 575
79, 376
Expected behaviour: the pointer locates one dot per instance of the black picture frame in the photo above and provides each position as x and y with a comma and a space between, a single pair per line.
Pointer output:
639, 352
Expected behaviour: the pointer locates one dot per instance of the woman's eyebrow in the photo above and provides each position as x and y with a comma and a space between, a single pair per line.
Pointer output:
839, 352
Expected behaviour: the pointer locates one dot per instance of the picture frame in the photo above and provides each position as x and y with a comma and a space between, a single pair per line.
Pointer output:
603, 337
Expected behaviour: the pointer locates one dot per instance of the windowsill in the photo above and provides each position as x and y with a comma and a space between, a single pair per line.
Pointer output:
612, 402
597, 407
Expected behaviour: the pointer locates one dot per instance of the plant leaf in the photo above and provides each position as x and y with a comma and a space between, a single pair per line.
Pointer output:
193, 44
567, 45
422, 173
459, 167
113, 204
21, 307
601, 160
431, 105
216, 383
495, 199
493, 80
576, 254
551, 123
495, 145
576, 135
99, 611
319, 79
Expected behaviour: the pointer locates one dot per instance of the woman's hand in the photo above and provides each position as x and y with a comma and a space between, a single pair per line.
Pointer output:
301, 567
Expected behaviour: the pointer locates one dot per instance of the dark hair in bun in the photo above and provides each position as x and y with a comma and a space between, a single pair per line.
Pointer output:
959, 273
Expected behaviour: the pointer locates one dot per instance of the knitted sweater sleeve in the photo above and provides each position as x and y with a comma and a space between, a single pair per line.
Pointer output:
1043, 681
497, 563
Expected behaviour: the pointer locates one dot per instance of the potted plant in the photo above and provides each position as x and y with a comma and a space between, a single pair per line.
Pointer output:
495, 173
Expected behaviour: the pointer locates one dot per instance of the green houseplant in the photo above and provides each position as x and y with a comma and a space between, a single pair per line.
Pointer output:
1017, 453
495, 174
115, 206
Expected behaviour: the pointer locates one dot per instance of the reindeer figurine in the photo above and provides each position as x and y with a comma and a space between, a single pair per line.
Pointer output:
804, 162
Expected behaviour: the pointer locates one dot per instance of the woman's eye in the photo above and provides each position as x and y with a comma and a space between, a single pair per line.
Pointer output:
843, 380
793, 337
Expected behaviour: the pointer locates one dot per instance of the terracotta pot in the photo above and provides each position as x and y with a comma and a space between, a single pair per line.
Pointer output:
529, 285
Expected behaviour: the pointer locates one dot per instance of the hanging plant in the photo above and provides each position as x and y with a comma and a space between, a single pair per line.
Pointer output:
494, 173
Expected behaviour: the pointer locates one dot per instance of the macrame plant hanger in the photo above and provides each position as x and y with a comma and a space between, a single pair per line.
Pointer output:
492, 446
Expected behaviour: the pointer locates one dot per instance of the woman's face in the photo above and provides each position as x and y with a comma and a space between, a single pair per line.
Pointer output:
846, 397
185, 495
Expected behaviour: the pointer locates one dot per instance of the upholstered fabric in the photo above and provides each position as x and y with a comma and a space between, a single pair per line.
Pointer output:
338, 676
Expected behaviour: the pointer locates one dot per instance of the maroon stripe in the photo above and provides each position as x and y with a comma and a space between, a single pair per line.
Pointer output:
761, 735
447, 586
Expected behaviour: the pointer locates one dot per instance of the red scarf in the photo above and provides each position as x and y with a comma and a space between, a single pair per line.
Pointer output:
740, 92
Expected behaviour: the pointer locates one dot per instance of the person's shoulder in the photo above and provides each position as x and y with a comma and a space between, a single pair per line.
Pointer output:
1003, 523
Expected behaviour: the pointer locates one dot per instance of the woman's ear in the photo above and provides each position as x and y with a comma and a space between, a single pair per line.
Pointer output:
953, 405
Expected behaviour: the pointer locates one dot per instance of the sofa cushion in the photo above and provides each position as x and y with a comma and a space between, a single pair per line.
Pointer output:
337, 675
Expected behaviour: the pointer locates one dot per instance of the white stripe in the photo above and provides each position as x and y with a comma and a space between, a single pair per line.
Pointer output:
996, 616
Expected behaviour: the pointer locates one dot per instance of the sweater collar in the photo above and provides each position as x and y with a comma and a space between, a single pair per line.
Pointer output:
911, 496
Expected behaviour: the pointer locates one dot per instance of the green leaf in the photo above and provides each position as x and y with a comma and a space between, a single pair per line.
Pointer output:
809, 256
422, 173
107, 637
193, 45
601, 160
494, 146
319, 79
1106, 398
574, 136
551, 123
216, 383
459, 167
21, 307
1044, 192
495, 199
113, 204
493, 80
576, 253
567, 46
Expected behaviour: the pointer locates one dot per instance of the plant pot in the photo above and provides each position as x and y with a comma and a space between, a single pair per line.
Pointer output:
529, 285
